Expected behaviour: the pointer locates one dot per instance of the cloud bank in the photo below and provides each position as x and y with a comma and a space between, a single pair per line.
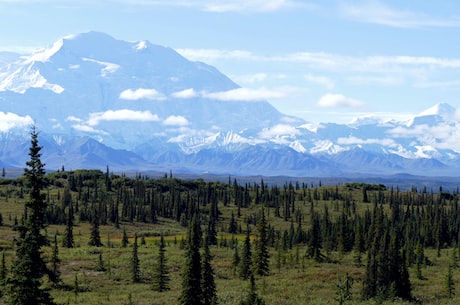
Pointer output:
331, 100
121, 115
10, 120
141, 94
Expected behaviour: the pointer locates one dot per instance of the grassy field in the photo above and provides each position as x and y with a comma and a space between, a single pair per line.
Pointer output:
294, 279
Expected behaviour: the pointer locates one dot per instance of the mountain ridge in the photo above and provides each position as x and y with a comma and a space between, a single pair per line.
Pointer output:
134, 105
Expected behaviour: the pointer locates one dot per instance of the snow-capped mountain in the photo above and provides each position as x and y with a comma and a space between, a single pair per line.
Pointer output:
134, 105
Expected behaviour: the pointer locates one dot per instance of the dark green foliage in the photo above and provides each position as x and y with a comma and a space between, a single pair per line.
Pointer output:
450, 285
233, 226
124, 239
161, 273
55, 274
261, 252
100, 264
3, 274
386, 272
208, 285
191, 293
136, 274
68, 241
95, 239
28, 268
343, 290
314, 242
246, 258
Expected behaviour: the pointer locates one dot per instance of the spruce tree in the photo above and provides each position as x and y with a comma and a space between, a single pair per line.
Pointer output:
161, 272
208, 285
124, 239
68, 241
95, 238
343, 291
191, 274
450, 285
233, 226
55, 275
246, 258
136, 275
314, 243
261, 253
29, 267
3, 274
100, 264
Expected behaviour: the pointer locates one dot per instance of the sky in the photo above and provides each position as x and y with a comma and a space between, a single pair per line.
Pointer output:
323, 61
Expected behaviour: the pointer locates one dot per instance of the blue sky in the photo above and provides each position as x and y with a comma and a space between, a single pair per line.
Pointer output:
327, 61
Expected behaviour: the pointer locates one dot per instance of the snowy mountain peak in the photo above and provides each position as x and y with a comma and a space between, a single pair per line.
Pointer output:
442, 109
433, 115
44, 55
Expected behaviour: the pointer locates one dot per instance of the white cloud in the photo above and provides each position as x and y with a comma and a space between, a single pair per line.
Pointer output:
245, 94
357, 141
320, 80
250, 78
402, 66
176, 120
86, 128
185, 94
141, 94
338, 100
122, 115
208, 55
441, 136
10, 120
378, 13
280, 130
72, 118
253, 5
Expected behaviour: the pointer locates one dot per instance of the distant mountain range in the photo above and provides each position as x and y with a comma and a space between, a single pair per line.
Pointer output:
99, 102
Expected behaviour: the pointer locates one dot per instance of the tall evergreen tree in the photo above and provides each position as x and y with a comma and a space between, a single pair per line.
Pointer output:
136, 274
246, 258
233, 226
68, 241
450, 285
29, 267
191, 274
3, 274
208, 285
95, 238
55, 275
124, 239
161, 278
261, 253
314, 242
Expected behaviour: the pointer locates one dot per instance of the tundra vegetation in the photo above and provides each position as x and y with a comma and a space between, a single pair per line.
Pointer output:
105, 238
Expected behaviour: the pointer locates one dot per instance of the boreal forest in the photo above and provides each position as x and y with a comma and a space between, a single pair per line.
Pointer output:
99, 237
